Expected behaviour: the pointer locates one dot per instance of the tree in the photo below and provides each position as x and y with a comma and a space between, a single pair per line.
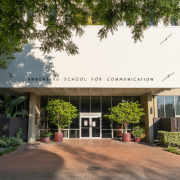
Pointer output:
61, 17
61, 113
128, 112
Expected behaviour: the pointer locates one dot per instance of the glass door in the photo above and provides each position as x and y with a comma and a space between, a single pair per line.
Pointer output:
90, 127
95, 127
85, 125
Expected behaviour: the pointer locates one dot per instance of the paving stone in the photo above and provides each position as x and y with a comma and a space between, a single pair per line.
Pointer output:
70, 160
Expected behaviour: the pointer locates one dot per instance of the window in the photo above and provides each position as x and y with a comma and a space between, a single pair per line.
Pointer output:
169, 106
95, 104
160, 106
85, 103
177, 104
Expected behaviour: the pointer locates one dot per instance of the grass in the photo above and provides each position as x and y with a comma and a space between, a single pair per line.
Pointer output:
7, 151
170, 149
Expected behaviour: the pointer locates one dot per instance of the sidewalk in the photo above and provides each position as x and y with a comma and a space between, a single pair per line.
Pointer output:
70, 159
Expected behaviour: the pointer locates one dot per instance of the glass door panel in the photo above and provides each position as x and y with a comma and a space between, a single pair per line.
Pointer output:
95, 124
85, 127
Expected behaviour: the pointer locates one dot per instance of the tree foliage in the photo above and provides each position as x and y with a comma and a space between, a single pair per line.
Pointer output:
128, 112
18, 20
61, 113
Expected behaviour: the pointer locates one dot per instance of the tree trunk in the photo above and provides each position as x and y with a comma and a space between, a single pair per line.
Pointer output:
59, 129
125, 126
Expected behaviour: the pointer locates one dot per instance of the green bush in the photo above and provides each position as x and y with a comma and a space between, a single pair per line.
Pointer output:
138, 132
169, 138
46, 134
11, 141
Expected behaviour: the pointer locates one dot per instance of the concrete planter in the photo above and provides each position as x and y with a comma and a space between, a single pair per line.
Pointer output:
137, 139
126, 137
58, 137
45, 139
10, 125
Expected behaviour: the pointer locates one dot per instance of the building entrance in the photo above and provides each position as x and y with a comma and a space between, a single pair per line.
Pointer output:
90, 124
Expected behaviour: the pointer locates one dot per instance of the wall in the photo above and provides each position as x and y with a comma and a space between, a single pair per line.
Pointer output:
147, 105
172, 92
117, 56
34, 108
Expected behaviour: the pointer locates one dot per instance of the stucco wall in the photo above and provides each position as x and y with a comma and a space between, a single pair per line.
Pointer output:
117, 56
34, 110
147, 105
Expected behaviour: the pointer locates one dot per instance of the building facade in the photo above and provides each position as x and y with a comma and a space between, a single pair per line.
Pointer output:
103, 74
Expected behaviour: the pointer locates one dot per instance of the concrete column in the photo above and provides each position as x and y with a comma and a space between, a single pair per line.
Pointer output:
34, 112
147, 105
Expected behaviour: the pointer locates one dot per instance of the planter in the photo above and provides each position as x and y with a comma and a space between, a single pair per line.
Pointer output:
126, 137
137, 139
45, 139
58, 137
10, 125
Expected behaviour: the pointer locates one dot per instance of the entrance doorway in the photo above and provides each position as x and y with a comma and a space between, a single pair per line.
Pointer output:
90, 124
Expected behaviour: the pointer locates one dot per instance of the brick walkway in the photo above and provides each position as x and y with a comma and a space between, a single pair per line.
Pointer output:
70, 160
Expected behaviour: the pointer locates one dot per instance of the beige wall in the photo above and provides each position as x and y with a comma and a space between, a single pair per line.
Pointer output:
34, 108
147, 105
172, 92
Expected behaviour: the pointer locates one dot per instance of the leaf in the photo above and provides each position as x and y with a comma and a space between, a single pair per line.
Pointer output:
9, 110
18, 100
7, 99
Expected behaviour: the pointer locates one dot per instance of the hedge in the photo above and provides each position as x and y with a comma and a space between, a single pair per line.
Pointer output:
169, 138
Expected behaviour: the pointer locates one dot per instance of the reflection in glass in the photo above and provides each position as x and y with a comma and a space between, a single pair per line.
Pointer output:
65, 133
127, 98
106, 104
106, 123
106, 133
95, 104
160, 106
53, 97
177, 103
75, 123
169, 106
74, 134
64, 98
43, 113
95, 127
84, 127
117, 125
85, 103
137, 98
74, 100
116, 100
117, 133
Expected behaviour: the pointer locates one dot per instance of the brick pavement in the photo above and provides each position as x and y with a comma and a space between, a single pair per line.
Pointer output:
70, 160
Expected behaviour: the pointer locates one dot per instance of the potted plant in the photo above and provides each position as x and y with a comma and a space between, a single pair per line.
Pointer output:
61, 114
138, 133
125, 113
45, 136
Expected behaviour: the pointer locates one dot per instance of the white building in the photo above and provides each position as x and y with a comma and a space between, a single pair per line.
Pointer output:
102, 75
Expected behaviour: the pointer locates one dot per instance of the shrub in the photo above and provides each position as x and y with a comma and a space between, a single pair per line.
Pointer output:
11, 141
46, 134
138, 132
169, 138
